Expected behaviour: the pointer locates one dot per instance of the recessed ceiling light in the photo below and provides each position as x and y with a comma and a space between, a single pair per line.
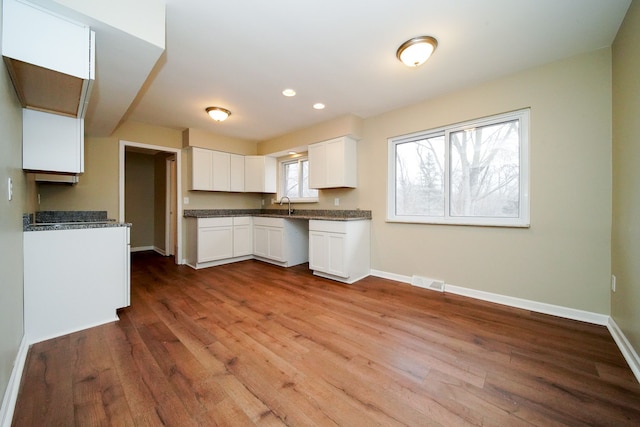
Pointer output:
289, 92
292, 153
319, 106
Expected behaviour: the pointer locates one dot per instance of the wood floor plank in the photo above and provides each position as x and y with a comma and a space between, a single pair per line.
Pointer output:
250, 343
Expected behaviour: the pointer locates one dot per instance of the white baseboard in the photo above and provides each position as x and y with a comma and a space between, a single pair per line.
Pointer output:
623, 344
142, 248
625, 347
538, 307
160, 251
11, 393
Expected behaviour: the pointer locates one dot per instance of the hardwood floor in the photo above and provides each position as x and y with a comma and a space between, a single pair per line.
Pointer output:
254, 344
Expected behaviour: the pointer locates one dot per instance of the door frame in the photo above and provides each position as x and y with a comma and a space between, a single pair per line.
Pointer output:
170, 212
121, 189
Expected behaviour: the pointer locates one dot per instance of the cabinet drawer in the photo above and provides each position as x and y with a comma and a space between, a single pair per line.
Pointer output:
329, 226
268, 221
242, 220
215, 222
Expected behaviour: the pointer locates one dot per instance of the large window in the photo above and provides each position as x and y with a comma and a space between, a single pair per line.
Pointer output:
294, 180
473, 173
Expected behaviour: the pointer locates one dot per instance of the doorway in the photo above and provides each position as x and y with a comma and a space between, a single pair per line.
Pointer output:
163, 214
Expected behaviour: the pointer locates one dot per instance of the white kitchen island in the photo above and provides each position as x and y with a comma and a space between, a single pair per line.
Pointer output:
75, 277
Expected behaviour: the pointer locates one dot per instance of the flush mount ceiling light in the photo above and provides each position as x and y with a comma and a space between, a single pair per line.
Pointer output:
289, 92
416, 51
218, 114
319, 106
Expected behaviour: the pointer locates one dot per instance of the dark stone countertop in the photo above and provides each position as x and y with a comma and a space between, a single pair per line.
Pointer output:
69, 220
306, 214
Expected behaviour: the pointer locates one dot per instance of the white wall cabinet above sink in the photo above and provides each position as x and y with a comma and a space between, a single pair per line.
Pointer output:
333, 163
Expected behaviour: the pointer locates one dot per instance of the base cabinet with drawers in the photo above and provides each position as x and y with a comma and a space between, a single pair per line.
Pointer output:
339, 250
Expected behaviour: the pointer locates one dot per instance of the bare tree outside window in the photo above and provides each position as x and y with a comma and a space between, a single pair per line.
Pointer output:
473, 173
420, 177
485, 171
295, 177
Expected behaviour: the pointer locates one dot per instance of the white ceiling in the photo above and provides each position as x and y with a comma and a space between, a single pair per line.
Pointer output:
241, 54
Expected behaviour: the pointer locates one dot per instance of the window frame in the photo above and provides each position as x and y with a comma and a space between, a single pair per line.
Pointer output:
281, 181
523, 220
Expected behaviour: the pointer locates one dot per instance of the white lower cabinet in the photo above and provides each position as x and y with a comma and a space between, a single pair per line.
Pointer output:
216, 241
281, 241
74, 279
242, 236
340, 250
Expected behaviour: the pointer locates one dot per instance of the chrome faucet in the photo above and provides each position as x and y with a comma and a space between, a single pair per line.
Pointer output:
282, 201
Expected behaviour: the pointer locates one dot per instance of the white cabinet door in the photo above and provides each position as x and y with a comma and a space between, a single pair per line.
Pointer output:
215, 239
268, 242
201, 169
333, 163
327, 253
35, 36
318, 251
210, 170
236, 173
276, 244
221, 171
260, 174
340, 250
317, 169
260, 241
51, 142
242, 236
337, 256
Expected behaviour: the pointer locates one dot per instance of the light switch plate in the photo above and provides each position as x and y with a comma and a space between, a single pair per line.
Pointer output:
9, 188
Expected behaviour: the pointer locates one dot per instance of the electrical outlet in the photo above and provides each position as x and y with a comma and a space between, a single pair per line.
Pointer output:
336, 201
262, 201
185, 201
613, 283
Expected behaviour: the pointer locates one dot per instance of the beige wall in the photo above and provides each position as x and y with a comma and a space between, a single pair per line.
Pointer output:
345, 125
625, 256
11, 259
139, 202
564, 258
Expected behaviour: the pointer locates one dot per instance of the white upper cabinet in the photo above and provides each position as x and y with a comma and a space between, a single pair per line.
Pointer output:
333, 163
237, 173
218, 171
210, 170
260, 174
52, 143
51, 59
221, 171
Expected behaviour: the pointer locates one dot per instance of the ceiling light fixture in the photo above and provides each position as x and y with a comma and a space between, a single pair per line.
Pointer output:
218, 114
289, 92
319, 106
416, 51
